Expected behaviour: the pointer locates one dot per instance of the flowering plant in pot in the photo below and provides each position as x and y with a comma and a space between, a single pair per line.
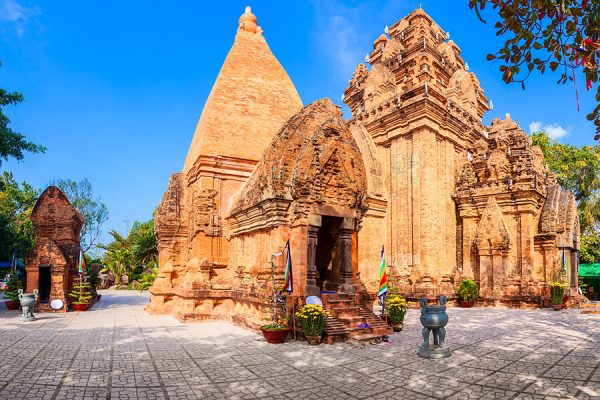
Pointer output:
312, 318
557, 292
276, 331
468, 292
81, 292
11, 294
396, 308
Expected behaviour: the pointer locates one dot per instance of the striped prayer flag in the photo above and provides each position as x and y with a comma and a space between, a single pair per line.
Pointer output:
13, 262
564, 260
288, 286
81, 268
383, 283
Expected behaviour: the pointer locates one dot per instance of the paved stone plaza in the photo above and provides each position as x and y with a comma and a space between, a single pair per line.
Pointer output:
118, 351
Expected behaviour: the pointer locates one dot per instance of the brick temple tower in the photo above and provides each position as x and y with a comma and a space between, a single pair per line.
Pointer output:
422, 108
250, 100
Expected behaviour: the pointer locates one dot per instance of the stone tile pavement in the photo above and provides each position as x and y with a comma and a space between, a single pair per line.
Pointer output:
117, 351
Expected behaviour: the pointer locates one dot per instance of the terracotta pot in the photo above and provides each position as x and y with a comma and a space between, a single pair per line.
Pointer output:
80, 306
397, 327
313, 340
275, 335
467, 304
557, 307
12, 305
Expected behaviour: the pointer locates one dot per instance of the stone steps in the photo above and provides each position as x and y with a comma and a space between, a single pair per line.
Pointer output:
350, 320
372, 338
593, 307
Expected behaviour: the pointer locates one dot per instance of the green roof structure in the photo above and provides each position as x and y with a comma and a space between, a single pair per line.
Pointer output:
589, 270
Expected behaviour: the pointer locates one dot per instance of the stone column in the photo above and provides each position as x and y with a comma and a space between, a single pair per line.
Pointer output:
346, 273
485, 275
311, 269
499, 260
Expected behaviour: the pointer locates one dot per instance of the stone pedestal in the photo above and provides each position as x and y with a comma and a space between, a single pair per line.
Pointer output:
433, 352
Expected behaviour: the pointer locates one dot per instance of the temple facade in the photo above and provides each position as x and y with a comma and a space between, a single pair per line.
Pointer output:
414, 170
53, 261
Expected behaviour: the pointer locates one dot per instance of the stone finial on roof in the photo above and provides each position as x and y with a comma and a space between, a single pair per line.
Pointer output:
248, 22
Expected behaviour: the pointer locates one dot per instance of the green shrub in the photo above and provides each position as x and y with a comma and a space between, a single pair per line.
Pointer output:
147, 280
557, 292
468, 290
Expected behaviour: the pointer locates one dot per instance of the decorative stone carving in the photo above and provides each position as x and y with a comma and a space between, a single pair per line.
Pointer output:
492, 231
380, 85
467, 177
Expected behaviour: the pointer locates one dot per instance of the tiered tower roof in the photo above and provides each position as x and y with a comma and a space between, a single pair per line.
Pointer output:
250, 100
415, 70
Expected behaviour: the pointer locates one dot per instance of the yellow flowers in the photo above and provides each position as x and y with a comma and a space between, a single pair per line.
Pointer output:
312, 319
396, 303
396, 308
312, 311
557, 284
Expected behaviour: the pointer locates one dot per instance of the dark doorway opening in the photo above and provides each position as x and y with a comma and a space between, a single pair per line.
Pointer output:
44, 284
327, 257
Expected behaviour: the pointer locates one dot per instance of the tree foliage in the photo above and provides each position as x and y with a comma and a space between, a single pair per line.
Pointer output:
16, 229
590, 249
560, 35
94, 212
578, 169
125, 255
13, 144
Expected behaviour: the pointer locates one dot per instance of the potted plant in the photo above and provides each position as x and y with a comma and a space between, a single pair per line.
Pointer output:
312, 319
557, 292
276, 331
396, 308
81, 293
468, 292
11, 294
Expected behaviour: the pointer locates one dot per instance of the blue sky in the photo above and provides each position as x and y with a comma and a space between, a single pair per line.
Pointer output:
114, 89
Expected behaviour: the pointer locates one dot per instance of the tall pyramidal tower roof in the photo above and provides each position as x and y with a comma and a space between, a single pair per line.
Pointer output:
251, 99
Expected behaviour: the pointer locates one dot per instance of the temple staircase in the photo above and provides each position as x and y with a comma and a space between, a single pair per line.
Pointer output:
348, 319
593, 307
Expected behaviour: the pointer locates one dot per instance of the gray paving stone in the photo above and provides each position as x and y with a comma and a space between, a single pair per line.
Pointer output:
117, 351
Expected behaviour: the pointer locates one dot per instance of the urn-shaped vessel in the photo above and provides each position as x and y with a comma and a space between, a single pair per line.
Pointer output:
434, 319
27, 304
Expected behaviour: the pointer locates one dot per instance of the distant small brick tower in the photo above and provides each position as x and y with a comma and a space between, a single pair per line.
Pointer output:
52, 263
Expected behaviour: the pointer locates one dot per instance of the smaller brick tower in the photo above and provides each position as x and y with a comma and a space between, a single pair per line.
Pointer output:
52, 264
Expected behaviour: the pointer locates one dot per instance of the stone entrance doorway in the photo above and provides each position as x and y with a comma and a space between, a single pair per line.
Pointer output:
327, 257
44, 284
330, 255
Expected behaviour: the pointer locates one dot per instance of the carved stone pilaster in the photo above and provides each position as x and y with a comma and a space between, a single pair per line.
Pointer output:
346, 272
311, 279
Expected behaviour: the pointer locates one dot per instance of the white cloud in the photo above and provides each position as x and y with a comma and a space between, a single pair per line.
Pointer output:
555, 131
535, 126
12, 11
343, 35
16, 15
